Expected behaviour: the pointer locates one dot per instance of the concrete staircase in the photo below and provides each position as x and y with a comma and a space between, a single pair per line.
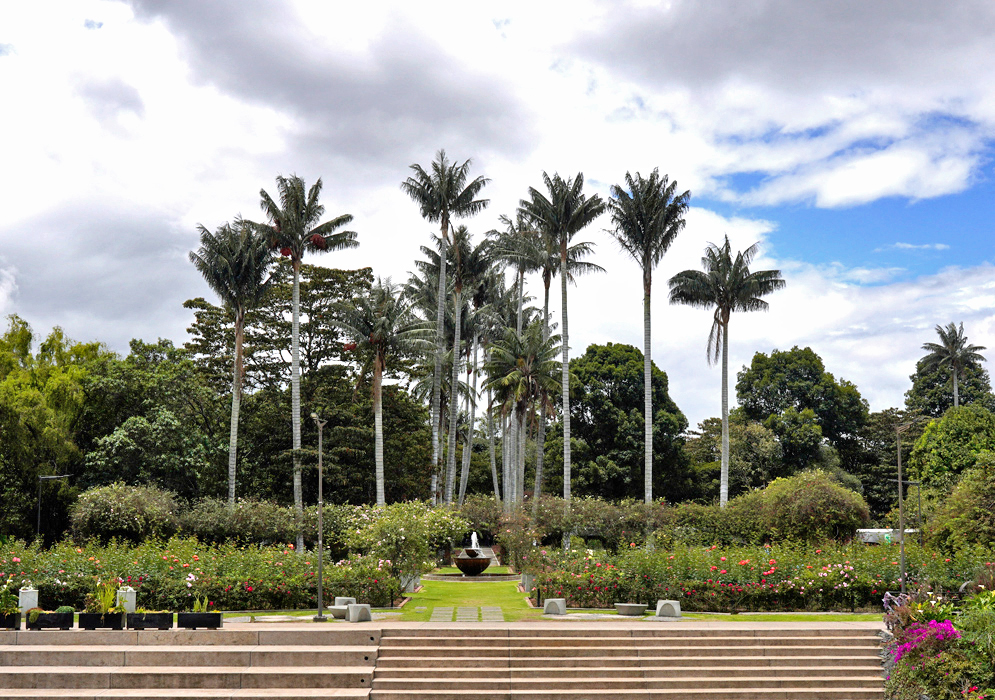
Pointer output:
653, 662
189, 664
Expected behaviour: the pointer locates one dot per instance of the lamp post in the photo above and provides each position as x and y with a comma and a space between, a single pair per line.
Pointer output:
899, 429
41, 479
320, 617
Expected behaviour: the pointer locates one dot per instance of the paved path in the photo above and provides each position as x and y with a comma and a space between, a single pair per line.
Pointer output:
488, 613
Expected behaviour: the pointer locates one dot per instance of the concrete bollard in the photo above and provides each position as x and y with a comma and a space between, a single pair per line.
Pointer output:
668, 608
555, 606
126, 598
27, 598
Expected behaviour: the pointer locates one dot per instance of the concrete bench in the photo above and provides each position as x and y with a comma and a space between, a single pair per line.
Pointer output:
555, 606
633, 609
338, 611
358, 613
341, 600
668, 608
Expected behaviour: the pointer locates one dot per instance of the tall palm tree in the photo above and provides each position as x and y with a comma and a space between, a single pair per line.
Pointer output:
234, 261
293, 229
560, 216
727, 285
952, 351
383, 326
648, 213
441, 194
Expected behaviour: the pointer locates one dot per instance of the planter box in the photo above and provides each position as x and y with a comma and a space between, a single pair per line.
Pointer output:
10, 622
192, 620
62, 621
150, 621
101, 621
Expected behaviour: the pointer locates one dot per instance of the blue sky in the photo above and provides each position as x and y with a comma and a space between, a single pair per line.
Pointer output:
834, 134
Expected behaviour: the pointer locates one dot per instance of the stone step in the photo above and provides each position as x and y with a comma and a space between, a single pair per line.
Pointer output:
504, 641
187, 694
651, 629
606, 683
633, 661
632, 671
837, 693
137, 677
107, 655
332, 635
624, 650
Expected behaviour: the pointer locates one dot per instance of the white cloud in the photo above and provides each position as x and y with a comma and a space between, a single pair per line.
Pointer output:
912, 246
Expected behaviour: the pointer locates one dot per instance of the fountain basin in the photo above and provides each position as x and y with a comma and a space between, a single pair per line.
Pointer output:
470, 562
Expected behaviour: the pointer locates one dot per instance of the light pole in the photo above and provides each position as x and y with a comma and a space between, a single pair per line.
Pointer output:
320, 617
899, 429
41, 479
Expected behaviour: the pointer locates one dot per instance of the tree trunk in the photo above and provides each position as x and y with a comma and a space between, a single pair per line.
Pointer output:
724, 472
523, 436
505, 452
378, 427
490, 441
236, 402
956, 395
440, 346
454, 402
565, 372
541, 437
647, 397
469, 431
295, 403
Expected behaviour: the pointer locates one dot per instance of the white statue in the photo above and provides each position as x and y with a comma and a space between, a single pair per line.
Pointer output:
474, 544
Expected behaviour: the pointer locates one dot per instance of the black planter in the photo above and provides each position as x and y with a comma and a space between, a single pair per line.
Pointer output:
150, 621
61, 621
10, 622
193, 620
101, 621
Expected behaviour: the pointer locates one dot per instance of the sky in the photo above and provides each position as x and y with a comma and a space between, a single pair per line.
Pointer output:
852, 140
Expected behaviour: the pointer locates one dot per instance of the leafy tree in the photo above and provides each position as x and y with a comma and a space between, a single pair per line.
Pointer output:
800, 436
608, 416
727, 285
648, 213
932, 394
951, 445
952, 353
559, 217
755, 454
967, 517
293, 229
876, 462
235, 262
383, 328
440, 195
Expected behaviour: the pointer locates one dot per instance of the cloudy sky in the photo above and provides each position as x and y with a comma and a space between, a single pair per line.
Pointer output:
853, 139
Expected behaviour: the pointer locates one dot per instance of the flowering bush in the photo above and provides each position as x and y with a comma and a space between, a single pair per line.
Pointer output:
132, 513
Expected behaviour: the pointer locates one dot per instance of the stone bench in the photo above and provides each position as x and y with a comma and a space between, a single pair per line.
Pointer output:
668, 608
338, 611
555, 606
632, 609
358, 613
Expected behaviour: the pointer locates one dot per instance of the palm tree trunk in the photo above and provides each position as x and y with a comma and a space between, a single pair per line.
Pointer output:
454, 402
490, 439
378, 428
541, 438
724, 470
295, 403
440, 346
523, 437
469, 431
505, 452
236, 401
956, 395
565, 372
647, 397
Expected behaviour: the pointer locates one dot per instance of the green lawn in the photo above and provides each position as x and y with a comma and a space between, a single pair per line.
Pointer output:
454, 594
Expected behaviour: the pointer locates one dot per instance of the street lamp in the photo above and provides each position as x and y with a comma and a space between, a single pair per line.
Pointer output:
41, 479
320, 617
899, 429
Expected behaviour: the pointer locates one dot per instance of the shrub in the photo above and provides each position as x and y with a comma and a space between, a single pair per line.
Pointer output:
119, 511
246, 521
811, 507
968, 515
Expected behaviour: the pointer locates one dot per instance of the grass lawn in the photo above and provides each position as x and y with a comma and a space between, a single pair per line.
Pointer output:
436, 594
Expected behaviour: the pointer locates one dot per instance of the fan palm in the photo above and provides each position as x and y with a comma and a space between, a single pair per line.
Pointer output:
727, 285
559, 217
383, 326
648, 213
293, 229
441, 194
952, 351
234, 261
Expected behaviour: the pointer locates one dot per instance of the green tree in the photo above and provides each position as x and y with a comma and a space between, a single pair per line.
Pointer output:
952, 353
442, 194
234, 262
951, 445
294, 230
383, 328
800, 436
877, 459
608, 419
931, 393
727, 285
559, 217
648, 213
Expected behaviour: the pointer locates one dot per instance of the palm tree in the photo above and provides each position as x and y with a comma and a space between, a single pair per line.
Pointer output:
560, 216
293, 229
952, 351
440, 195
648, 214
383, 326
234, 261
728, 285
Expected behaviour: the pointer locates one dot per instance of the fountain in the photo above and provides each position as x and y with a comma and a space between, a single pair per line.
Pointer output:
470, 561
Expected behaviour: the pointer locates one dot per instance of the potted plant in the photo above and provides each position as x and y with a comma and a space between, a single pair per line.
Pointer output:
61, 618
200, 617
101, 611
143, 619
10, 616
